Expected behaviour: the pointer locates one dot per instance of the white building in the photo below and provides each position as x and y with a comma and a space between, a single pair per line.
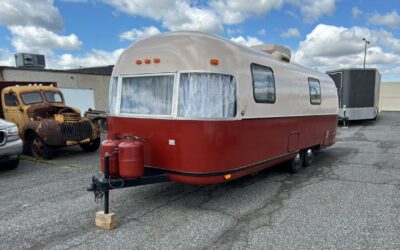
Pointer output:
91, 80
390, 96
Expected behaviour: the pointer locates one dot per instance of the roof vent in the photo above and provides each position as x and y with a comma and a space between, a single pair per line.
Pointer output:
277, 51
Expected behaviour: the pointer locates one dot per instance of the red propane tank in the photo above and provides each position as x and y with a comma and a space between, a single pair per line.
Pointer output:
131, 162
109, 146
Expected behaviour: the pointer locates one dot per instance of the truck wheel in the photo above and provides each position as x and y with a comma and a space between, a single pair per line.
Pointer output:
294, 165
91, 146
308, 157
11, 164
103, 124
39, 149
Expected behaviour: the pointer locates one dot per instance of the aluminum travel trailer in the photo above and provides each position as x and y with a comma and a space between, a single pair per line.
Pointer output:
196, 108
358, 91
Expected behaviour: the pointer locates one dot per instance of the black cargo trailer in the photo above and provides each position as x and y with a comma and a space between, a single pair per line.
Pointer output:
358, 92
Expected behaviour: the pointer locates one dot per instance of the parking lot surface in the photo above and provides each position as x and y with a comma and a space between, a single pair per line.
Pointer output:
348, 199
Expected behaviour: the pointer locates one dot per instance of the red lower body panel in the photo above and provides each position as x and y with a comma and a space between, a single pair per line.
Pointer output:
205, 152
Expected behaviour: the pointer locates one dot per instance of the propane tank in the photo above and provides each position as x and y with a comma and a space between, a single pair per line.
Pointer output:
131, 159
109, 146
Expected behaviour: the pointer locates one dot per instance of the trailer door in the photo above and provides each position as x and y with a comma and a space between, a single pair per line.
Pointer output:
337, 77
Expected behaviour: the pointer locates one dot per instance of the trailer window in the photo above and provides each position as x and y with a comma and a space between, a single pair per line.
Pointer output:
207, 95
315, 91
53, 97
11, 100
31, 97
263, 84
147, 95
112, 95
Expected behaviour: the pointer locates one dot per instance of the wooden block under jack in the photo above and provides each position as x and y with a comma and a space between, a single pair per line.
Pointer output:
106, 221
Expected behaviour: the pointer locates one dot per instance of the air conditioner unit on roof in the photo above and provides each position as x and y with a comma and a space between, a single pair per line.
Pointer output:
30, 60
277, 51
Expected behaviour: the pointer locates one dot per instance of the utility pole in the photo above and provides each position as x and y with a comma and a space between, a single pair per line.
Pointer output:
365, 50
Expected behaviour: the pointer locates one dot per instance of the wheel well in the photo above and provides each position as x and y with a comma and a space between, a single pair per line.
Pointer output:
28, 133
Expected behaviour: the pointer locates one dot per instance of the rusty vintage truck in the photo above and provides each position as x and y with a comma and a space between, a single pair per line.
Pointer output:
43, 119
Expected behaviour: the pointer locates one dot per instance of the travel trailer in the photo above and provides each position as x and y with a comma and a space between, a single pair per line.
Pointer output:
199, 109
358, 92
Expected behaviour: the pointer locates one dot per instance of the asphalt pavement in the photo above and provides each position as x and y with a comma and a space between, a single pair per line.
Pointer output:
348, 199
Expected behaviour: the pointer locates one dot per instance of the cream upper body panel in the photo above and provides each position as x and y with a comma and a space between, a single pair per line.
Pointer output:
192, 52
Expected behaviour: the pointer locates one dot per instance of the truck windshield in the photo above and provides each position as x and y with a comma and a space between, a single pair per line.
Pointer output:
53, 96
207, 95
147, 95
31, 97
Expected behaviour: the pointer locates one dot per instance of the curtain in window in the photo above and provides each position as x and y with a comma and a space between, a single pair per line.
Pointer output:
147, 95
112, 95
207, 95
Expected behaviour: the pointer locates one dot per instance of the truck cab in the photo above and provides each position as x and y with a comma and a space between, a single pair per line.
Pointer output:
45, 122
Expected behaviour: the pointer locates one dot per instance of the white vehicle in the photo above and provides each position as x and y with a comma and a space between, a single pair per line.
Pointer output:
10, 145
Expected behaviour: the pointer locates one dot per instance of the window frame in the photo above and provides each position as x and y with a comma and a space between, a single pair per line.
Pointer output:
119, 96
30, 92
320, 92
16, 98
178, 85
252, 79
57, 92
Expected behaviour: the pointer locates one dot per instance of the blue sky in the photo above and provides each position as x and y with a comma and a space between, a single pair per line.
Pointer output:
324, 34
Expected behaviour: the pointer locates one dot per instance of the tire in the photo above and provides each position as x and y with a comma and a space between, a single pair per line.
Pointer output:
295, 164
308, 157
38, 148
91, 146
103, 124
11, 164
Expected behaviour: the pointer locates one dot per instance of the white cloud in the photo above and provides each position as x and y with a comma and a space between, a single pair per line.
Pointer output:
356, 12
312, 10
248, 41
231, 32
292, 32
139, 34
6, 58
262, 32
40, 13
236, 11
174, 15
332, 47
91, 59
39, 40
75, 1
391, 19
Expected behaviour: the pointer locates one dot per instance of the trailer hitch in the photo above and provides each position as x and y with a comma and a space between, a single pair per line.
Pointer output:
101, 186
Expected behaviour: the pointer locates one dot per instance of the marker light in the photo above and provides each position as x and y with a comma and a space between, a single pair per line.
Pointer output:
214, 61
147, 61
156, 60
138, 62
227, 176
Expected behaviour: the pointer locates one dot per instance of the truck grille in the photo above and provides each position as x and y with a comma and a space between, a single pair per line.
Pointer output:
77, 131
3, 138
71, 117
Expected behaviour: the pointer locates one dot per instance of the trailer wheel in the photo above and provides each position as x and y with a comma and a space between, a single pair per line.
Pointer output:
91, 146
38, 148
294, 165
308, 157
